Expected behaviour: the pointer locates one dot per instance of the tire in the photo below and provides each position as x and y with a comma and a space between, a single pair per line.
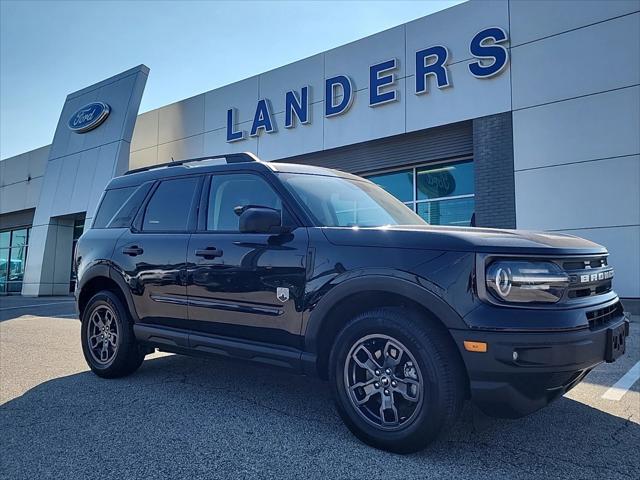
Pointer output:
106, 316
426, 386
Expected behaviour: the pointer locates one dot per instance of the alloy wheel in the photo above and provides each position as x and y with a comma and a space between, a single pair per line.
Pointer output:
383, 382
102, 334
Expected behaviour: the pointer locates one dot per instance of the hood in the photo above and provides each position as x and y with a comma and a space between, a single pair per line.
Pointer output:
464, 239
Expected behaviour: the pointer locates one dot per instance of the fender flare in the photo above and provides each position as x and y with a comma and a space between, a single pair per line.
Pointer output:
105, 270
430, 300
126, 290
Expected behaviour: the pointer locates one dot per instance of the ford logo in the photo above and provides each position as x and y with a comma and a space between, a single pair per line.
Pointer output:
89, 117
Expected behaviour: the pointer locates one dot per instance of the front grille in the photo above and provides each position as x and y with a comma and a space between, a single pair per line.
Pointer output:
589, 291
597, 262
588, 276
603, 316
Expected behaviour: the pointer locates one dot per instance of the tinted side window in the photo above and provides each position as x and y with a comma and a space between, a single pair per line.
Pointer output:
169, 208
124, 216
111, 203
237, 190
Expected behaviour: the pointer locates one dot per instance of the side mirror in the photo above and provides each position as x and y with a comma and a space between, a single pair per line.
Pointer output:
261, 220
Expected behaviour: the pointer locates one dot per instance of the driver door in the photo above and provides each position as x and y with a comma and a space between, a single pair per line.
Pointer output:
245, 285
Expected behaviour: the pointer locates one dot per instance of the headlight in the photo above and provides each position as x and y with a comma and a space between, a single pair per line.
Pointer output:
519, 281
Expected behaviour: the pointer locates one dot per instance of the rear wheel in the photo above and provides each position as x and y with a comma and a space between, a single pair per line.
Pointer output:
396, 378
108, 342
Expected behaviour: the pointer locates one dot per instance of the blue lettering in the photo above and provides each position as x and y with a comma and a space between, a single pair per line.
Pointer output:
431, 61
296, 106
262, 119
330, 85
377, 81
233, 136
494, 51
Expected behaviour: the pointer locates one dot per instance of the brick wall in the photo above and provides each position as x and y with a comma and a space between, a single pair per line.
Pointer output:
494, 178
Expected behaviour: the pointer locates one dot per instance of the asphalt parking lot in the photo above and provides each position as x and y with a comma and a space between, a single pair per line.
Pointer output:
181, 417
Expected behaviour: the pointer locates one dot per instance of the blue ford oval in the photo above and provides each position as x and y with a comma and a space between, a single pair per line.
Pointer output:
89, 117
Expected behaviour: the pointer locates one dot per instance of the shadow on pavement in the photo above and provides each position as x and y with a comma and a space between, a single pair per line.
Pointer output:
181, 417
15, 307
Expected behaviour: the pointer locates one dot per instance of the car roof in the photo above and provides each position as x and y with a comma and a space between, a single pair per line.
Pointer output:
213, 164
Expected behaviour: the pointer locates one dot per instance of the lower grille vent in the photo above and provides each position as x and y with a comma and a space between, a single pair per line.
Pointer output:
601, 317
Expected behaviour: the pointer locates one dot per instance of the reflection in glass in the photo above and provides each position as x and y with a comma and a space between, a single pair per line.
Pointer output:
5, 239
398, 184
350, 203
16, 264
19, 238
444, 193
456, 212
13, 258
4, 267
445, 180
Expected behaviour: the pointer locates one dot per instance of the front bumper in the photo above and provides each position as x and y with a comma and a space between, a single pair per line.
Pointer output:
546, 364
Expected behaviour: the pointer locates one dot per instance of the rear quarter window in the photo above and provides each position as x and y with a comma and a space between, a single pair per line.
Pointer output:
112, 201
125, 215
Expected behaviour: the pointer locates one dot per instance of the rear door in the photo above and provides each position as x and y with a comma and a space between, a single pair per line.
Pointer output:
152, 255
251, 285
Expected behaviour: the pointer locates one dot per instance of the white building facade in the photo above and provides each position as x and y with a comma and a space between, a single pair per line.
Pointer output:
511, 114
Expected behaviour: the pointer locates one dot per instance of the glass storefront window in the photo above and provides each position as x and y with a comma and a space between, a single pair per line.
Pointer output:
78, 228
443, 194
448, 180
5, 239
13, 258
4, 268
19, 237
399, 184
18, 257
456, 212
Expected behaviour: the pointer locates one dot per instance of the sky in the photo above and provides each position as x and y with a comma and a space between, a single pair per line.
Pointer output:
49, 49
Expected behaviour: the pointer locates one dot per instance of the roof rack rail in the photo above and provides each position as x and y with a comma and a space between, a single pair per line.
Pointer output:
228, 158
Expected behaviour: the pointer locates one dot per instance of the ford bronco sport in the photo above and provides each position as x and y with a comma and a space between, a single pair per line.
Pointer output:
324, 273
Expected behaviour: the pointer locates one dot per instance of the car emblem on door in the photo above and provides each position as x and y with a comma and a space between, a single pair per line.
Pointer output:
282, 293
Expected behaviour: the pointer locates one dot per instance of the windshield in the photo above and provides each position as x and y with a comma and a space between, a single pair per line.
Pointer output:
343, 202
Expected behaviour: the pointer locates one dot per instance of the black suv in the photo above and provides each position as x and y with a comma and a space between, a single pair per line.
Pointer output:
324, 273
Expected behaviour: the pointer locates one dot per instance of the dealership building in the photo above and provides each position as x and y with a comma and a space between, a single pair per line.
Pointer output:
506, 114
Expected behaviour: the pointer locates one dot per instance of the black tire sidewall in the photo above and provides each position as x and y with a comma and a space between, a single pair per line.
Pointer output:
432, 415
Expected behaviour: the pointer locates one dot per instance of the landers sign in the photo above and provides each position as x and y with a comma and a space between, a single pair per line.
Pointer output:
487, 47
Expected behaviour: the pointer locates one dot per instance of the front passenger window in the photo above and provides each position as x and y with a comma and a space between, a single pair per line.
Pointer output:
237, 190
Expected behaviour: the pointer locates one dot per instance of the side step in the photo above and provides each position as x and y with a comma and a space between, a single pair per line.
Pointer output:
181, 341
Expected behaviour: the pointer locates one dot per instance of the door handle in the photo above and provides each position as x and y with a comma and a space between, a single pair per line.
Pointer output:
133, 251
209, 252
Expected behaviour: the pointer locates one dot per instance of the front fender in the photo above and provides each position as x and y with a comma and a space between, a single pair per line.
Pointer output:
404, 284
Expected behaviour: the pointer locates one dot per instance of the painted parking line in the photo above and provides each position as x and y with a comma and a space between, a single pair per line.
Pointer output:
36, 305
622, 386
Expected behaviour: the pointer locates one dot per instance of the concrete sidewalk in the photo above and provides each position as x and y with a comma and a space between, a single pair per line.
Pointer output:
18, 306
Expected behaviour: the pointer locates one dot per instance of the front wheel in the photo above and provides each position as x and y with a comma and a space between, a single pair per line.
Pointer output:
108, 342
397, 379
